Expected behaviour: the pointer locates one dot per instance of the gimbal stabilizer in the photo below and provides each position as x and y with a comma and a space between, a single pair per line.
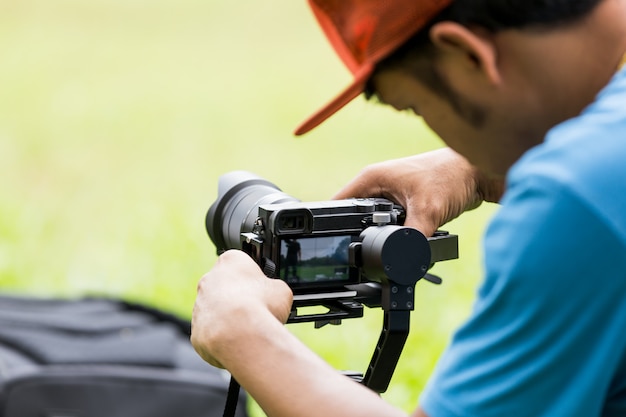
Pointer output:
404, 257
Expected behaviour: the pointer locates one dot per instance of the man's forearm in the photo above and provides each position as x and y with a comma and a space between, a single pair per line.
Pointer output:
287, 379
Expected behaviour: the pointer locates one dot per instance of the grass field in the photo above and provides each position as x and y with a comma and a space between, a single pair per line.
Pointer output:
116, 119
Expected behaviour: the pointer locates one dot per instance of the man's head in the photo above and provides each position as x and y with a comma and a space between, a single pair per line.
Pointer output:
491, 76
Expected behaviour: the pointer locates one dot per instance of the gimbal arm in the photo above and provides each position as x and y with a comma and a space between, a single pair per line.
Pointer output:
397, 257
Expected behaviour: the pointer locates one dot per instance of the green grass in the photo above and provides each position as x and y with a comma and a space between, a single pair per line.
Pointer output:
116, 119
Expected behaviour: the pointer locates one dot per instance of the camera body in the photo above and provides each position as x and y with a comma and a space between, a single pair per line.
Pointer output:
323, 246
312, 246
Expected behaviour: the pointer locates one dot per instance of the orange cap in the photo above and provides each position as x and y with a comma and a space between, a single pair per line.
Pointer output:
364, 32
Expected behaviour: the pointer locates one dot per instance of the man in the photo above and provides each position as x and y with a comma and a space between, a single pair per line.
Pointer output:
529, 91
292, 260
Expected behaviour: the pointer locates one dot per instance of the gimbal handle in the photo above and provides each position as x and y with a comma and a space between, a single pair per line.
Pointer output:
388, 350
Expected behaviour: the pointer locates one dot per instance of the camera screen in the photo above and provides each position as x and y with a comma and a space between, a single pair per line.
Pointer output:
319, 260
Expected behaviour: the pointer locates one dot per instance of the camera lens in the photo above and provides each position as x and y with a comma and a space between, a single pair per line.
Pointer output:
240, 193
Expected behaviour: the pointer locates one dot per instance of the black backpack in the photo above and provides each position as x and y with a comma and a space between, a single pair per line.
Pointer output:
98, 357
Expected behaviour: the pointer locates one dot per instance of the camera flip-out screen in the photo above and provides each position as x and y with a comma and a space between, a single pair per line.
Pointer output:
312, 261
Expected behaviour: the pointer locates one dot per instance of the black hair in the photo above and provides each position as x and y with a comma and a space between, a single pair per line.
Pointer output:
496, 15
493, 15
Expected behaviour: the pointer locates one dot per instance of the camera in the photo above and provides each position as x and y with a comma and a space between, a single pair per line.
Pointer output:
337, 254
323, 246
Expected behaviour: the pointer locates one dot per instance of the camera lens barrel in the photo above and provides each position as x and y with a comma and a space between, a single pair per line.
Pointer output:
240, 193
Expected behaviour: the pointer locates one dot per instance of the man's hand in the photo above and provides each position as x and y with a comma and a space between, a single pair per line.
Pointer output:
238, 323
234, 295
434, 187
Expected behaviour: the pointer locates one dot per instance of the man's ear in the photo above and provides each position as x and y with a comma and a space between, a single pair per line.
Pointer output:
476, 51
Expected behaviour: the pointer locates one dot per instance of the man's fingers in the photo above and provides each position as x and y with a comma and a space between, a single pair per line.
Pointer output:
370, 182
356, 189
283, 296
424, 225
235, 257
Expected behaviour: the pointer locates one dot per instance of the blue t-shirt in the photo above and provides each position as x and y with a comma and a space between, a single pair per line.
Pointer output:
547, 335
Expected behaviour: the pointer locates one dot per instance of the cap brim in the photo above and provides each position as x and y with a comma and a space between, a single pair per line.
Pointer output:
346, 96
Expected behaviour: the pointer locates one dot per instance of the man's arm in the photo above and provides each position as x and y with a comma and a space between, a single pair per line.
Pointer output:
239, 313
238, 324
434, 187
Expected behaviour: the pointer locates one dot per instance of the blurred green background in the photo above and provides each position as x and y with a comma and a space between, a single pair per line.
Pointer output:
117, 118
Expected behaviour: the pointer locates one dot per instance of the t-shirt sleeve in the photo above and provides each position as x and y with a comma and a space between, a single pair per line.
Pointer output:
546, 333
